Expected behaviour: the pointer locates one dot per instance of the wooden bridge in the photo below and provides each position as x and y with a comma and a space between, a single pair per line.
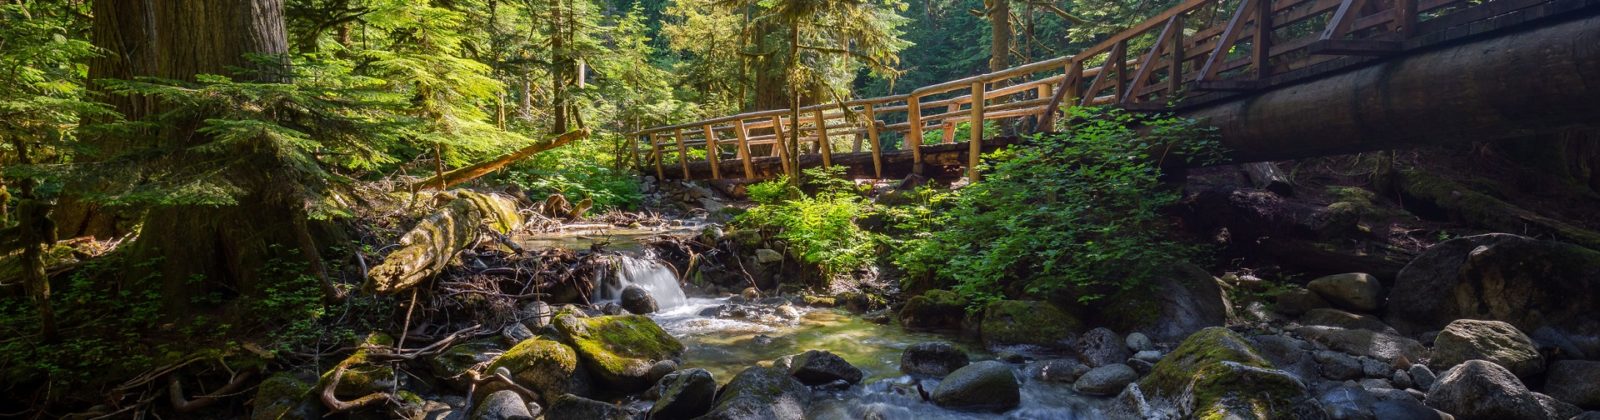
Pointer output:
1279, 78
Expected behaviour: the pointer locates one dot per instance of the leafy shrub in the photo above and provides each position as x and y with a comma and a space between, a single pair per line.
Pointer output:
820, 228
1075, 212
582, 169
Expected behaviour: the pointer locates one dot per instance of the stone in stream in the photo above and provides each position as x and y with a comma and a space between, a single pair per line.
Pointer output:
544, 366
983, 386
1479, 389
1338, 366
1138, 342
1057, 370
932, 359
1298, 301
1497, 277
1215, 373
760, 393
573, 407
1389, 348
536, 314
1105, 380
502, 405
934, 310
817, 367
1009, 322
1337, 318
1494, 341
1576, 382
767, 256
685, 394
621, 350
638, 301
1102, 347
1354, 291
1421, 376
452, 364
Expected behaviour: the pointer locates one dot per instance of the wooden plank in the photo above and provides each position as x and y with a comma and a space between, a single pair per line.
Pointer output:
711, 153
1263, 40
823, 141
683, 152
1229, 85
1235, 28
872, 136
744, 148
975, 140
1141, 78
778, 143
655, 144
1342, 18
1353, 47
1406, 17
914, 137
1120, 63
1175, 69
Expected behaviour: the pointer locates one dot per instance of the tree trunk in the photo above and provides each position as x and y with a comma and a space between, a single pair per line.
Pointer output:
558, 69
999, 12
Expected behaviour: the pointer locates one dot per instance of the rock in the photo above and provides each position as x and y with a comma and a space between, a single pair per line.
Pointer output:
932, 359
1338, 366
982, 386
1184, 300
1421, 376
1037, 323
1012, 357
1479, 389
1151, 356
1401, 379
1143, 367
360, 376
516, 333
1526, 282
544, 366
1373, 368
611, 308
1348, 403
536, 314
1575, 382
1557, 345
1353, 291
502, 405
573, 407
1057, 370
638, 301
1105, 380
817, 367
620, 349
1375, 384
1102, 347
1389, 348
685, 394
452, 364
1587, 415
760, 393
1298, 301
1138, 342
1494, 341
283, 396
1337, 318
768, 256
934, 310
1215, 373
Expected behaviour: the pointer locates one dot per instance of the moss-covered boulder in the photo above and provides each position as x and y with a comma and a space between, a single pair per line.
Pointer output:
452, 365
361, 375
1216, 374
761, 393
1010, 322
283, 396
620, 349
545, 366
934, 310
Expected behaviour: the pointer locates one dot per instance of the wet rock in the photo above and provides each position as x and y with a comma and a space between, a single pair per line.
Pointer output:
932, 359
817, 367
1497, 277
1012, 357
536, 314
1576, 382
544, 366
1215, 373
760, 393
981, 386
452, 364
934, 310
1354, 291
685, 394
1185, 298
1375, 384
1401, 379
1057, 370
1298, 301
638, 301
1105, 380
767, 256
283, 396
1338, 366
1494, 341
1389, 348
516, 333
1027, 322
502, 405
1337, 318
1102, 347
1373, 368
611, 308
1348, 403
1138, 342
1421, 376
1479, 389
1151, 356
573, 407
620, 350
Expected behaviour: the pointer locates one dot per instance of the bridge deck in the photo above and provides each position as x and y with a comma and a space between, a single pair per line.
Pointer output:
1197, 53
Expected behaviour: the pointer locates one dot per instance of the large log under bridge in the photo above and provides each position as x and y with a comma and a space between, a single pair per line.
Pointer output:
1280, 79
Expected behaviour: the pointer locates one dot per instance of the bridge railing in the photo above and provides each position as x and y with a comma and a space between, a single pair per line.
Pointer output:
1198, 48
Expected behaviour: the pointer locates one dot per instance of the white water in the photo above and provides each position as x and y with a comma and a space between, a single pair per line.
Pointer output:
648, 274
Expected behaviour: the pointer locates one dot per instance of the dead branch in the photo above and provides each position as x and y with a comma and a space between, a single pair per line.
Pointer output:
337, 406
460, 175
183, 405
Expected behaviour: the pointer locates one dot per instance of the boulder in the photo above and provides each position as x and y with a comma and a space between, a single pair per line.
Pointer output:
1298, 301
685, 394
1354, 291
283, 396
1338, 366
760, 393
502, 405
1389, 348
1105, 380
767, 256
1523, 281
932, 359
817, 367
1138, 342
1102, 347
983, 386
1494, 341
1576, 382
544, 366
638, 301
1215, 373
452, 364
934, 310
362, 377
1174, 304
1422, 377
573, 407
1483, 390
1057, 370
1348, 403
620, 349
1009, 322
1336, 318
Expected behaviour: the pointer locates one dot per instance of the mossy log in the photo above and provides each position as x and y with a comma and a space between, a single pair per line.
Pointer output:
428, 247
1463, 204
458, 176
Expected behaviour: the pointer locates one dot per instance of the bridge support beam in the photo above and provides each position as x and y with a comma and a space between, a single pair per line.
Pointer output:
1526, 82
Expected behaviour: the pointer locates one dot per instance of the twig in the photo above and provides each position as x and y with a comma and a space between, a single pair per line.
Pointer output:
405, 329
182, 405
337, 406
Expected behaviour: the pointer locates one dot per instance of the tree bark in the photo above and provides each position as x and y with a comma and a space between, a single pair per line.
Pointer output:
999, 12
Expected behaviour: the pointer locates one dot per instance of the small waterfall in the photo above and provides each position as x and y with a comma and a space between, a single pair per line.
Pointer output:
647, 273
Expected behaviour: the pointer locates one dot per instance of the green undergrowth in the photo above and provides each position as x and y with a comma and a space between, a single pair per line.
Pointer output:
821, 227
582, 169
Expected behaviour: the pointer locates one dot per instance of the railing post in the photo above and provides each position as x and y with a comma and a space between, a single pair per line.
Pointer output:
1175, 74
711, 152
872, 136
914, 137
783, 148
655, 147
744, 148
822, 138
975, 140
1407, 20
1120, 63
1261, 53
949, 134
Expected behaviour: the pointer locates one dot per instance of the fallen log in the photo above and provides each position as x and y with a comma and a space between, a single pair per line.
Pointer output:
428, 247
1266, 176
460, 175
1462, 204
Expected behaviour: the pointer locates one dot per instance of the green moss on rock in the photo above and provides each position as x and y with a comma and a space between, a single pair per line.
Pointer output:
544, 365
361, 377
936, 309
280, 396
1027, 322
620, 349
1220, 375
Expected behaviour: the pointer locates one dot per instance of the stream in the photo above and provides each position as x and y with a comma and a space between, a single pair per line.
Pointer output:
725, 336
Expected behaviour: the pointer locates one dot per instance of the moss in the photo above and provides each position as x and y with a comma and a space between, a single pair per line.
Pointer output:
1463, 204
620, 348
1027, 322
544, 365
820, 301
499, 212
278, 395
361, 378
1224, 376
934, 309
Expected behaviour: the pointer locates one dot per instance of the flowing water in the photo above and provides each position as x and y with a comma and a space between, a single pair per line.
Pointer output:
647, 273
